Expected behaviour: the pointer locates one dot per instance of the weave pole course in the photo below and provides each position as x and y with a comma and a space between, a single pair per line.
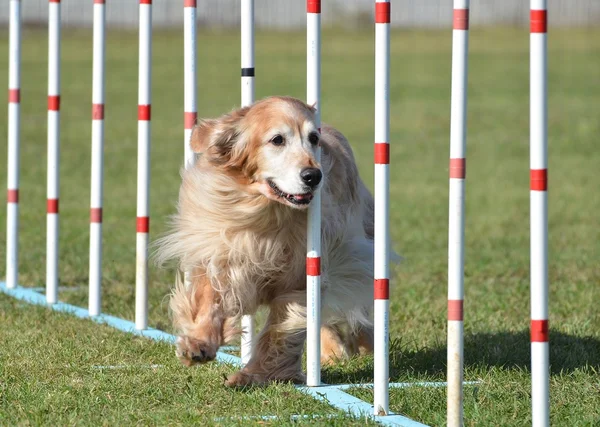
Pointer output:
313, 236
456, 212
143, 182
14, 126
330, 393
540, 366
381, 400
247, 98
53, 178
97, 174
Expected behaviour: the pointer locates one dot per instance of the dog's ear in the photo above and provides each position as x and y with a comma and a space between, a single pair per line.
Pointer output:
217, 137
201, 135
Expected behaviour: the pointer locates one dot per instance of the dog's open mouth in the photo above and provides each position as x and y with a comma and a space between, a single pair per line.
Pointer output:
297, 199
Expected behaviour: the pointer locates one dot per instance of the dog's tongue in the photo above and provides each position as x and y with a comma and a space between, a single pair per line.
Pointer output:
307, 196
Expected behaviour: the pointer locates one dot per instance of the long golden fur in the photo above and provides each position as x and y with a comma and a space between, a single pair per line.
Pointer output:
240, 233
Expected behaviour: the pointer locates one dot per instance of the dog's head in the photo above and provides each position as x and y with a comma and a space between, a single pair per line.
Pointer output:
270, 146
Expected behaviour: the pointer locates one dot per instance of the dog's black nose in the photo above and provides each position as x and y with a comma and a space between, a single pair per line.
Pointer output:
199, 357
311, 176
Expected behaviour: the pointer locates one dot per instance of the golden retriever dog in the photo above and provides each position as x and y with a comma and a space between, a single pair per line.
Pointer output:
240, 234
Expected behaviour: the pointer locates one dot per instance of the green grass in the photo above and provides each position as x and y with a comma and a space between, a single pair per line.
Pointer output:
60, 371
47, 359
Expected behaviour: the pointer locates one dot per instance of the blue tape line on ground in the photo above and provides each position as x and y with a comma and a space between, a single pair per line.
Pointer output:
353, 405
61, 289
329, 394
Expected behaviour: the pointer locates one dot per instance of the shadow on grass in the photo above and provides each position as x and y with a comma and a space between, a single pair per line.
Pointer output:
483, 350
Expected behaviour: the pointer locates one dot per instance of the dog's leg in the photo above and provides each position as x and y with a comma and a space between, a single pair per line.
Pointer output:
362, 340
201, 325
278, 352
333, 347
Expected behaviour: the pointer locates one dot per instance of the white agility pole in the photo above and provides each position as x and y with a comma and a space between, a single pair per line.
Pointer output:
247, 93
189, 85
382, 189
143, 177
53, 180
313, 255
456, 212
189, 76
14, 126
97, 174
540, 396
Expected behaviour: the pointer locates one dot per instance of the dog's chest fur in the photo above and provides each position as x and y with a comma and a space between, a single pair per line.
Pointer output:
253, 250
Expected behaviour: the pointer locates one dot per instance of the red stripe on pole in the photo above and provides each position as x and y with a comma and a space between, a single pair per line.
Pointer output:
14, 96
382, 153
189, 120
313, 6
12, 196
143, 224
99, 1
458, 168
96, 215
98, 111
144, 112
53, 1
189, 3
538, 21
382, 13
313, 266
539, 331
382, 289
461, 19
145, 1
538, 179
53, 102
52, 206
455, 309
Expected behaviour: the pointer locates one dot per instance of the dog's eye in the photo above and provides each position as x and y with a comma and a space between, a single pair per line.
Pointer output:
277, 140
313, 138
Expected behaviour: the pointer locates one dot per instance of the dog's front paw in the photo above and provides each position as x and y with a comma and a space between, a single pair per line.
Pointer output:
244, 379
299, 378
191, 351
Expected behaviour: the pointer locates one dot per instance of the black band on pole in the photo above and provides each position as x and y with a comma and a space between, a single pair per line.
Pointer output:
248, 72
